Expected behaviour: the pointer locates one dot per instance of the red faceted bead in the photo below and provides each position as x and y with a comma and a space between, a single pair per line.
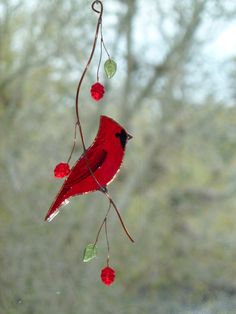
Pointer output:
61, 170
107, 275
97, 91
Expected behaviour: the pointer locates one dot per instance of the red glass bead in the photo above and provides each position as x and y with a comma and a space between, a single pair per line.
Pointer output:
107, 275
61, 170
97, 91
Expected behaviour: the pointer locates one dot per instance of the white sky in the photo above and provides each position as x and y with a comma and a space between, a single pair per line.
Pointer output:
224, 46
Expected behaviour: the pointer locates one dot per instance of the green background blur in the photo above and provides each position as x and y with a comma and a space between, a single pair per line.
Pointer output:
175, 92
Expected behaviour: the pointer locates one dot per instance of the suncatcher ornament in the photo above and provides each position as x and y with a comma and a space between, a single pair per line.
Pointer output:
100, 162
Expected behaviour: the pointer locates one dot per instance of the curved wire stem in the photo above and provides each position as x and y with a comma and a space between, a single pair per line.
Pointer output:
119, 215
86, 68
74, 143
78, 122
103, 43
108, 244
100, 59
80, 83
100, 228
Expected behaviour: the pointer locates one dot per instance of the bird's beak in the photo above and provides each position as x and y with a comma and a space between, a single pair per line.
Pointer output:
129, 137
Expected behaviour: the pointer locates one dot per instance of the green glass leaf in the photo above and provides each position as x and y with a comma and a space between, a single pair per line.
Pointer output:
110, 68
89, 253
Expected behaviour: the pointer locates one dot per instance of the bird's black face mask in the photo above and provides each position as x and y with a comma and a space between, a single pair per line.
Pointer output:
123, 136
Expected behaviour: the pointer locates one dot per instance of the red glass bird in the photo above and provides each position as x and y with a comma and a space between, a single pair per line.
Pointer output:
98, 168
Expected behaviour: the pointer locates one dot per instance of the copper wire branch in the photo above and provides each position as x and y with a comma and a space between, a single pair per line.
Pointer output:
100, 228
108, 244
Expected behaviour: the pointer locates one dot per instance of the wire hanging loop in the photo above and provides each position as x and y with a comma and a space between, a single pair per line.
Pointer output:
97, 2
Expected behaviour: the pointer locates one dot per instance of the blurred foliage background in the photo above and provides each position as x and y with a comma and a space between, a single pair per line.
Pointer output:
175, 92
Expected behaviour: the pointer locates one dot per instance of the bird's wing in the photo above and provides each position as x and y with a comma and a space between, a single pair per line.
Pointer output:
95, 158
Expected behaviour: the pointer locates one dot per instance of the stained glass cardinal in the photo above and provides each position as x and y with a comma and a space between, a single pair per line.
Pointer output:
97, 167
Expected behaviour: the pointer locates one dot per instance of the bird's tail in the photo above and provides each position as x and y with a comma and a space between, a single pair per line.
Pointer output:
60, 201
